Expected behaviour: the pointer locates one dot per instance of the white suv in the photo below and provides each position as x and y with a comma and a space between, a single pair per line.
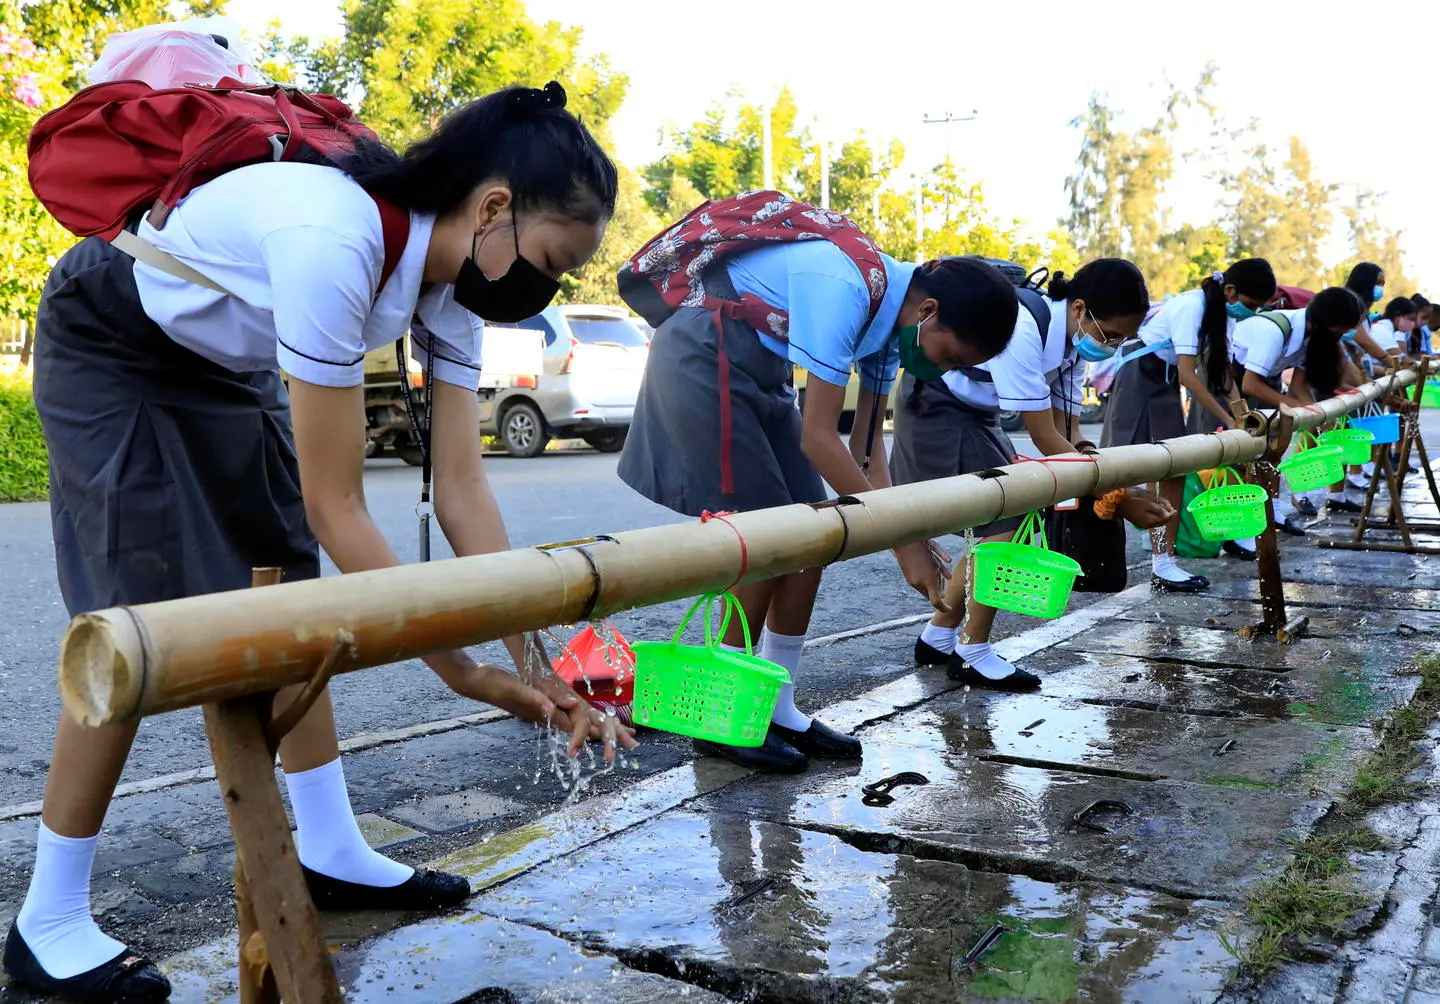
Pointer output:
593, 360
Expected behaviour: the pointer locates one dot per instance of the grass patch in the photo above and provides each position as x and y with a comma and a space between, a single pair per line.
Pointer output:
1316, 894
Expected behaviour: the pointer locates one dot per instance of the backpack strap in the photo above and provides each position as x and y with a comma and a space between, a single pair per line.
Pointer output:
394, 228
1279, 320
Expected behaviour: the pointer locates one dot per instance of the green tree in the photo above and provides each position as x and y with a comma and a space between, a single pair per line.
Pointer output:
1282, 213
1371, 241
1117, 190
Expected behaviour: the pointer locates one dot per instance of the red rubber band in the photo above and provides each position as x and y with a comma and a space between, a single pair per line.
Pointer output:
705, 517
1021, 458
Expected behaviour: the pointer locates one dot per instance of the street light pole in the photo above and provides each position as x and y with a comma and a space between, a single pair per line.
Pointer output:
946, 119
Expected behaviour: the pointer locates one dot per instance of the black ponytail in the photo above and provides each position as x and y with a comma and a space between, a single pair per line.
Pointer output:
1110, 287
1401, 306
1251, 276
522, 136
1333, 311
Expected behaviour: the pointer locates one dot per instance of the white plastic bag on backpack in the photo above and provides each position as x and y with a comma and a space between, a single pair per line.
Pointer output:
176, 54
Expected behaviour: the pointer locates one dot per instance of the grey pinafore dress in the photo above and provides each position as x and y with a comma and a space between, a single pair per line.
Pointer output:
1144, 405
673, 450
170, 476
939, 436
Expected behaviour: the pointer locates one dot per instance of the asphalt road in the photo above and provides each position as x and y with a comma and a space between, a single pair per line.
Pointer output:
559, 496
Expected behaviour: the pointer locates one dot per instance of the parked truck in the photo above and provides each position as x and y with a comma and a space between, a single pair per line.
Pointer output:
509, 358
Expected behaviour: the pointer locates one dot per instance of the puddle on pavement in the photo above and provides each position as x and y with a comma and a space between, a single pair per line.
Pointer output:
1324, 692
1292, 755
1195, 839
763, 911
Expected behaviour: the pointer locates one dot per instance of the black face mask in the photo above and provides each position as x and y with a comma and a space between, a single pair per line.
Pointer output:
523, 291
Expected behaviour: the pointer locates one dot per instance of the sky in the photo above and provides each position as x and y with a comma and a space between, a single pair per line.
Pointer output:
1367, 110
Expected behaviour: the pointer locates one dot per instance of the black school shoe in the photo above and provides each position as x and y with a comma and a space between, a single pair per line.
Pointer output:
820, 740
1019, 680
1233, 549
1291, 525
774, 756
928, 655
1194, 584
425, 890
126, 979
1305, 507
1343, 505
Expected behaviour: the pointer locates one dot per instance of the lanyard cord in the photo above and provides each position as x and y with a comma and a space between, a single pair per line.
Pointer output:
420, 434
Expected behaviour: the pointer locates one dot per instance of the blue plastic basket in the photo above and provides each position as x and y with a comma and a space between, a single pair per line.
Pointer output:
1385, 428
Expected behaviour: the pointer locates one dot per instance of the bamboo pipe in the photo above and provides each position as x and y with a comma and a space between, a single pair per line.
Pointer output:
123, 662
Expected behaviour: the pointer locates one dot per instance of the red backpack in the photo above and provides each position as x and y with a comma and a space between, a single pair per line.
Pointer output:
117, 149
1290, 298
669, 272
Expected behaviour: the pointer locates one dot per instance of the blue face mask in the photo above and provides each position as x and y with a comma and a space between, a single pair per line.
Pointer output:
1239, 311
1379, 292
1092, 350
1349, 336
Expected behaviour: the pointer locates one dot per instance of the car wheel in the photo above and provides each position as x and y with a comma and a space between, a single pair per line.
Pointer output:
607, 440
522, 430
1012, 421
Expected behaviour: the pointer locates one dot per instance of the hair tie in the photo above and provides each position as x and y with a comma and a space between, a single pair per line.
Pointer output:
1218, 277
526, 101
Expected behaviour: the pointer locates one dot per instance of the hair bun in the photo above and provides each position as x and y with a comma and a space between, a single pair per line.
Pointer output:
527, 101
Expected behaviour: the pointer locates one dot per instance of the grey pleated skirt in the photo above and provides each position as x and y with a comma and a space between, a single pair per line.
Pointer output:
170, 476
673, 453
1144, 404
939, 436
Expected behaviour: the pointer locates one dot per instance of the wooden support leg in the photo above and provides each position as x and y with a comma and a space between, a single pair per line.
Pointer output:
282, 951
285, 917
1267, 558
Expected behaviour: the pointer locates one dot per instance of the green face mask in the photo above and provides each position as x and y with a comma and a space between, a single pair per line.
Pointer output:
914, 359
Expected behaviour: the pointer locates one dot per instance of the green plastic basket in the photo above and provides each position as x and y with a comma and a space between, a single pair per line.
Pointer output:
1313, 467
704, 691
1024, 576
1354, 443
1430, 396
1230, 509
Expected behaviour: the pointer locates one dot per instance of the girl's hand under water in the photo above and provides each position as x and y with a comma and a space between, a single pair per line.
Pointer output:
574, 714
1145, 509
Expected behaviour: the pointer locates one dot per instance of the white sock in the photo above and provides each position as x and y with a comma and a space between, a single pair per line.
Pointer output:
55, 920
1283, 509
1368, 469
941, 639
983, 660
785, 650
1248, 543
1335, 497
327, 836
1165, 567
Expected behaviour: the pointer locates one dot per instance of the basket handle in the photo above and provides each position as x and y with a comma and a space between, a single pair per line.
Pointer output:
730, 604
1032, 531
1225, 475
1300, 446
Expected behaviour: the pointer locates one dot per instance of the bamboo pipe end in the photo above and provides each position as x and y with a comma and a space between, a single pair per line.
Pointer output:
101, 668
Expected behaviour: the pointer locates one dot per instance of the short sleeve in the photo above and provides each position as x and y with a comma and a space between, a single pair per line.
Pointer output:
1267, 344
878, 369
322, 286
827, 319
1019, 371
454, 334
1067, 390
1188, 312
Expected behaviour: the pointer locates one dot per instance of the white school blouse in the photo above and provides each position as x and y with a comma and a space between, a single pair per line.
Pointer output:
301, 249
1028, 375
1261, 347
1178, 322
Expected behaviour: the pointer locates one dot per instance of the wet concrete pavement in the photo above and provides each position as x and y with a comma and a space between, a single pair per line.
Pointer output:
693, 880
